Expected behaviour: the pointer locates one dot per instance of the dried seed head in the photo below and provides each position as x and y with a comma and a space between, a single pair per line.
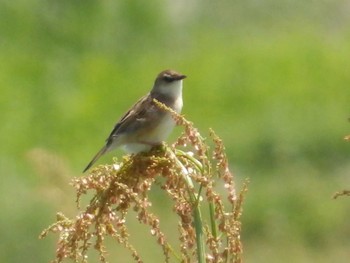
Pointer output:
188, 178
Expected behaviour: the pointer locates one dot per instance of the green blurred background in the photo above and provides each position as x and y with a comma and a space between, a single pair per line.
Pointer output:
270, 77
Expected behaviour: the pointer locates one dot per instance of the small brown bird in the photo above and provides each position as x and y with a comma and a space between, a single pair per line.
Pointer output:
146, 125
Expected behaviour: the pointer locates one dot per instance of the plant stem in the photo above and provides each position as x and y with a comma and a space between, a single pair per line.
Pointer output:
199, 234
214, 229
196, 210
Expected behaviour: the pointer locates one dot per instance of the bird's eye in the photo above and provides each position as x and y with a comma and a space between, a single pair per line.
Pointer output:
168, 78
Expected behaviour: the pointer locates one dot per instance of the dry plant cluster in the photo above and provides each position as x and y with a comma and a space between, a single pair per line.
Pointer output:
191, 179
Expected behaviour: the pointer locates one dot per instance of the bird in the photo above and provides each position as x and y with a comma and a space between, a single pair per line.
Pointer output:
145, 124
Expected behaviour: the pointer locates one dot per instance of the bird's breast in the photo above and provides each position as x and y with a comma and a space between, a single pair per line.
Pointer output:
161, 131
178, 105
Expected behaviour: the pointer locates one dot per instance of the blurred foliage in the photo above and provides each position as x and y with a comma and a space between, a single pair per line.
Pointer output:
271, 77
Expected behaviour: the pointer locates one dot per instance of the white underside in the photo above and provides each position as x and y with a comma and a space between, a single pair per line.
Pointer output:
165, 127
157, 136
136, 148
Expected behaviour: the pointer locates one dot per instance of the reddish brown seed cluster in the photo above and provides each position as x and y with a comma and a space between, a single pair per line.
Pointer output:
194, 178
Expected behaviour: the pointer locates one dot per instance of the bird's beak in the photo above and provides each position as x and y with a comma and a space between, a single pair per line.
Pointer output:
181, 77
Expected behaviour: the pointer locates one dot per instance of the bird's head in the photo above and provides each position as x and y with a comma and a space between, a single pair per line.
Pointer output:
168, 83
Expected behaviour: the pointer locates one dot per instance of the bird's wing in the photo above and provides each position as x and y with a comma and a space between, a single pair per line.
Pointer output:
141, 112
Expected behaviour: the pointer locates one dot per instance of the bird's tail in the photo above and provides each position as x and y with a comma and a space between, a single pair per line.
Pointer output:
96, 157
